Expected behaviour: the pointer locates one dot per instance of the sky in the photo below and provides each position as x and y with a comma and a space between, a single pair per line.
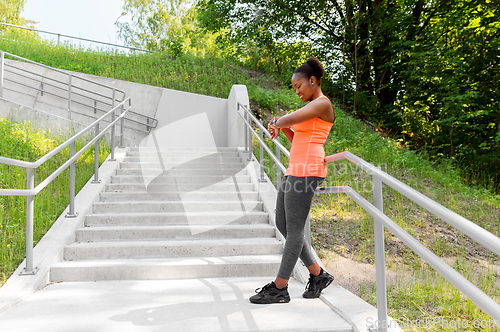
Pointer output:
90, 19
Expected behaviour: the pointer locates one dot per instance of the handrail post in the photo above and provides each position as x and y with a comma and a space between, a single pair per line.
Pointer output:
250, 147
261, 136
30, 204
113, 129
122, 128
69, 95
71, 213
278, 170
246, 128
2, 61
380, 256
96, 156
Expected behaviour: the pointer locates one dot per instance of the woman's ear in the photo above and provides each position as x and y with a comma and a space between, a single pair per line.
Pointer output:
313, 81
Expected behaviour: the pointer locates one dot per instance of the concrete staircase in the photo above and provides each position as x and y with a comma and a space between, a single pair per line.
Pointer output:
174, 213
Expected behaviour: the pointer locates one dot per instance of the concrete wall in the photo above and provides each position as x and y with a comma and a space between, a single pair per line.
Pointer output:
40, 120
54, 97
235, 125
188, 119
184, 119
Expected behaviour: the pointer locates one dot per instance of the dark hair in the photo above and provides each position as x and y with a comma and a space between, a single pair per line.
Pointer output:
312, 67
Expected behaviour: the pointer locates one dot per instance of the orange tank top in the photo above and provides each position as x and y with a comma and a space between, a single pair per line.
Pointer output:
307, 155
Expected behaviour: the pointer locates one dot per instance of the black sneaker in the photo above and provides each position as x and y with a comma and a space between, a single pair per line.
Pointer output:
270, 294
316, 284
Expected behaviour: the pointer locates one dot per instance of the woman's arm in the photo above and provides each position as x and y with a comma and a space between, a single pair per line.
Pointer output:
288, 133
275, 131
312, 110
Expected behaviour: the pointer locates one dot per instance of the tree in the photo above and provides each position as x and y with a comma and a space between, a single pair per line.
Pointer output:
10, 12
451, 102
370, 34
426, 71
165, 25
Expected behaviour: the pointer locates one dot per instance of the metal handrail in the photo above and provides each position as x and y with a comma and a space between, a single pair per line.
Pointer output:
63, 83
68, 86
51, 85
84, 39
152, 124
379, 177
464, 225
64, 73
31, 191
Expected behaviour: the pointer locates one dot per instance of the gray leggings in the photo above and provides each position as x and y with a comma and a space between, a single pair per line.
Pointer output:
295, 196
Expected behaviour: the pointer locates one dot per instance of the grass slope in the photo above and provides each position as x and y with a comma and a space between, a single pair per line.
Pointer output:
210, 76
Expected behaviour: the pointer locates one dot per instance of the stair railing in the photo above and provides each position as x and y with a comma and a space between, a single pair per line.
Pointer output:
31, 191
74, 89
59, 35
375, 209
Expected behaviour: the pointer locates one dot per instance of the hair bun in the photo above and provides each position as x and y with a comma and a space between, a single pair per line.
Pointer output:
316, 65
312, 67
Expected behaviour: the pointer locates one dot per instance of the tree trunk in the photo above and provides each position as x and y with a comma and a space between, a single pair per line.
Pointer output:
382, 56
365, 80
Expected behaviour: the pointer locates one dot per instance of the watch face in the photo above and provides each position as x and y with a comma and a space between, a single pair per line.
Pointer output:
187, 165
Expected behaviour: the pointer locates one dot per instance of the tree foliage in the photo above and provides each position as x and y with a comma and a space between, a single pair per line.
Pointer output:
450, 102
165, 26
425, 70
244, 36
10, 12
359, 39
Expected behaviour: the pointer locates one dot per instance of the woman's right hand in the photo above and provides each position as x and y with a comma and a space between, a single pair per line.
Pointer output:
273, 130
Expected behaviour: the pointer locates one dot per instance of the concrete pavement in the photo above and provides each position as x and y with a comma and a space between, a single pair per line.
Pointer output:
189, 305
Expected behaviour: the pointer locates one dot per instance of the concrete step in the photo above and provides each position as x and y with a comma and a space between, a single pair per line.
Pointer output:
194, 154
226, 171
166, 157
183, 149
199, 179
176, 218
140, 188
164, 154
200, 219
176, 196
167, 161
178, 161
162, 268
179, 206
154, 233
172, 248
195, 165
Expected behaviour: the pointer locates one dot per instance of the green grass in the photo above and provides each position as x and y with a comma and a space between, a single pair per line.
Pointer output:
340, 226
207, 76
23, 142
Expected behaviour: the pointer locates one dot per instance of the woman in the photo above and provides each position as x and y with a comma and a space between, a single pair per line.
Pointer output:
310, 126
